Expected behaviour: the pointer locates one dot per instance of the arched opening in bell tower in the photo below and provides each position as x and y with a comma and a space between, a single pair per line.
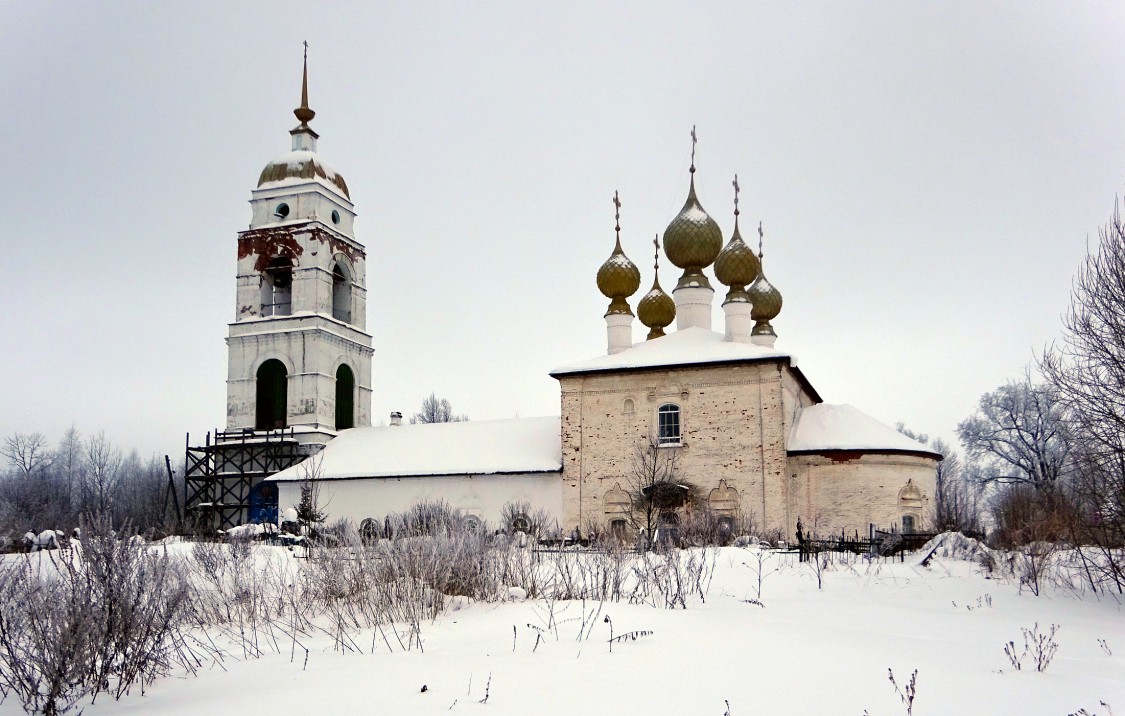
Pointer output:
272, 395
277, 287
345, 402
341, 293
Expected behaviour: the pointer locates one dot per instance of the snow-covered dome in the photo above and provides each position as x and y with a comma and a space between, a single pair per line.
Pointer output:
301, 165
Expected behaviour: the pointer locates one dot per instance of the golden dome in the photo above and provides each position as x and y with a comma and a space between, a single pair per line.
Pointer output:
692, 241
767, 304
618, 278
737, 266
302, 164
656, 310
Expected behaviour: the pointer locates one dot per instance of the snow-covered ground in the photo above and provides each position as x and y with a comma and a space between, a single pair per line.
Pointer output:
802, 650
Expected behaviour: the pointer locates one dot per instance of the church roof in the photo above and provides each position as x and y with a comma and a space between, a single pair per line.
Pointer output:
476, 447
827, 428
688, 346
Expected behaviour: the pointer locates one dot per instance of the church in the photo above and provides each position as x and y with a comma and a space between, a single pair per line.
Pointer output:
728, 411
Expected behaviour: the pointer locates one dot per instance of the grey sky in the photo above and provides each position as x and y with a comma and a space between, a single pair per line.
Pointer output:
928, 176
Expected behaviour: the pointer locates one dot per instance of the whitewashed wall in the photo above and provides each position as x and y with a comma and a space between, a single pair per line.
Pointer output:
481, 495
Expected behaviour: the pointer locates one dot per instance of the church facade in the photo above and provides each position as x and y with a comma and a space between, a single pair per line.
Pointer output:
742, 428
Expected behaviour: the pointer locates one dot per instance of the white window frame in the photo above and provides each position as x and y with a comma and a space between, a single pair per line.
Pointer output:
670, 431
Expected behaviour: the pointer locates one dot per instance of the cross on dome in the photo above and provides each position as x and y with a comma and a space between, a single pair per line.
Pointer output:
694, 140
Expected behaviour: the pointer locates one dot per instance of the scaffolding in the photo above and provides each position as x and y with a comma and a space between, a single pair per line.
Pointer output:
220, 474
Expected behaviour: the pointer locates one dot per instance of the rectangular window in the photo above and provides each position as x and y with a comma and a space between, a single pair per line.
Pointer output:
668, 423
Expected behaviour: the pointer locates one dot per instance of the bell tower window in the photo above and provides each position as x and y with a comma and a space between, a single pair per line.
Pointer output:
341, 293
277, 287
345, 404
272, 395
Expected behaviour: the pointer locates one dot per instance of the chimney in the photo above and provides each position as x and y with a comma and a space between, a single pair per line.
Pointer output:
396, 418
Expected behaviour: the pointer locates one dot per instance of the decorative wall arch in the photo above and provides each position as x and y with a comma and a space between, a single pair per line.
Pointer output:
910, 503
910, 496
616, 502
723, 500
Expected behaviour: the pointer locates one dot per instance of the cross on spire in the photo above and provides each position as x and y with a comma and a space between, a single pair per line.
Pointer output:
694, 140
761, 235
656, 253
303, 113
736, 190
617, 214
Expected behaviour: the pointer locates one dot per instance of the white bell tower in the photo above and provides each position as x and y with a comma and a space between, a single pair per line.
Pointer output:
298, 352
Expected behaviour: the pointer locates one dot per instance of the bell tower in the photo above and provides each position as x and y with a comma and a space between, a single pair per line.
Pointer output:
299, 355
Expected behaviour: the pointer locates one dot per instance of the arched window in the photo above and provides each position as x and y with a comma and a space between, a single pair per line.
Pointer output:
341, 293
273, 387
345, 403
668, 424
908, 524
628, 406
277, 287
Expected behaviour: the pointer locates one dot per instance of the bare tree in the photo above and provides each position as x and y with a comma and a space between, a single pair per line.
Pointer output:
654, 488
69, 466
1087, 369
103, 474
958, 501
27, 452
1018, 431
437, 410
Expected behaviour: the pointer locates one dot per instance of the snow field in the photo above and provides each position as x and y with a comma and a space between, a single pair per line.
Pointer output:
807, 650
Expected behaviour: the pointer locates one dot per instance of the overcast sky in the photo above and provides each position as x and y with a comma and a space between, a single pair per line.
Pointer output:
929, 175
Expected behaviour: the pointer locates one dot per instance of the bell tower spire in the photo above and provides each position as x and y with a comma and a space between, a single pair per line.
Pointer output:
304, 138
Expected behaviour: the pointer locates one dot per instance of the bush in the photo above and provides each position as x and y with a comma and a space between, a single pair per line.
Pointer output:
102, 617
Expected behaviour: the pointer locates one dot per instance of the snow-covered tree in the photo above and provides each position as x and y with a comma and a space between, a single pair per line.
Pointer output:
1019, 434
1087, 369
437, 410
26, 452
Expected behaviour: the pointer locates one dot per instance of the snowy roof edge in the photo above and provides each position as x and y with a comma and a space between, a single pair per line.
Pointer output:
419, 475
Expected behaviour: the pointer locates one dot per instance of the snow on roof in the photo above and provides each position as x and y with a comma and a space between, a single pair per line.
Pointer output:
301, 166
683, 347
477, 447
824, 427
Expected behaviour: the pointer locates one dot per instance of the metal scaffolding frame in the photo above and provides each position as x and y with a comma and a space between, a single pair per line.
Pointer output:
219, 475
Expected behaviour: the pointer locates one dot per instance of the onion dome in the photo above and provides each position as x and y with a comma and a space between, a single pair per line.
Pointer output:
618, 278
693, 239
766, 300
656, 309
736, 264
